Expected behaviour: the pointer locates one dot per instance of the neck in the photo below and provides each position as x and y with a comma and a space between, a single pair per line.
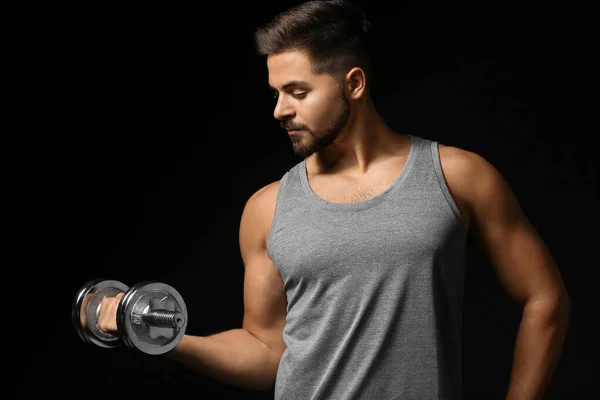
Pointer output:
365, 140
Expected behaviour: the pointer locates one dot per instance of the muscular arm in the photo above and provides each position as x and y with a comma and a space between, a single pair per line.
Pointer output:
523, 265
247, 357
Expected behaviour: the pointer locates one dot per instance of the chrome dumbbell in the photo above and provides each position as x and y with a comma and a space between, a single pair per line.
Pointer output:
151, 316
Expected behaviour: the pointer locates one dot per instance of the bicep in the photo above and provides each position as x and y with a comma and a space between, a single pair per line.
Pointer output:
265, 302
521, 260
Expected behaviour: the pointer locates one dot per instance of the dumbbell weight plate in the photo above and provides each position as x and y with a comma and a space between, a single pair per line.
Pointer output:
86, 307
145, 297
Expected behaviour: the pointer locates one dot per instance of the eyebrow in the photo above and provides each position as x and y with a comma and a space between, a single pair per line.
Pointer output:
292, 84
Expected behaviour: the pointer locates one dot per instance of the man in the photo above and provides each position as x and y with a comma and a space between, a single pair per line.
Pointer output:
354, 258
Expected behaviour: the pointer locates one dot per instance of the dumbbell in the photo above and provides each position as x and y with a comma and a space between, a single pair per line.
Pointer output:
151, 316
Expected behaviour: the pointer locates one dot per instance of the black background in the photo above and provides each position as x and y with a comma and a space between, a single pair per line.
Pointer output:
146, 129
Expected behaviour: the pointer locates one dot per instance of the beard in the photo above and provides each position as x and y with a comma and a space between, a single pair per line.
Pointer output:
309, 141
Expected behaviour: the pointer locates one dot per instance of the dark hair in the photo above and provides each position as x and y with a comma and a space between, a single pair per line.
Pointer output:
332, 33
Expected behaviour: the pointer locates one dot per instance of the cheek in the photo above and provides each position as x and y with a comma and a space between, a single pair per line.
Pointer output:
318, 111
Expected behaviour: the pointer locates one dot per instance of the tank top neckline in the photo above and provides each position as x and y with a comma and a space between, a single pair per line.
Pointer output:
361, 205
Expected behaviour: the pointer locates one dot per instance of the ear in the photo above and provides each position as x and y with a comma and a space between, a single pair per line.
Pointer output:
356, 83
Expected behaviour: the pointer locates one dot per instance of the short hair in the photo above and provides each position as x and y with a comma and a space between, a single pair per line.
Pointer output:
333, 33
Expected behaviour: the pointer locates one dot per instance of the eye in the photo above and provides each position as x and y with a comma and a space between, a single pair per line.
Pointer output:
299, 95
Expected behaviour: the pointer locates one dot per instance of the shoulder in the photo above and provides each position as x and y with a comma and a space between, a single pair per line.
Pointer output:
475, 183
467, 171
461, 163
264, 197
259, 210
260, 206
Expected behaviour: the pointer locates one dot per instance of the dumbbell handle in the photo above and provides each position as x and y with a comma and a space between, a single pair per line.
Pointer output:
161, 318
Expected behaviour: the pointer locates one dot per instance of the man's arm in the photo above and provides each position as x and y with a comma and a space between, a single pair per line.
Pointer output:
247, 357
523, 265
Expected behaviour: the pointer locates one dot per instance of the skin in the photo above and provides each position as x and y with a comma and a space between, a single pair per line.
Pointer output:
352, 155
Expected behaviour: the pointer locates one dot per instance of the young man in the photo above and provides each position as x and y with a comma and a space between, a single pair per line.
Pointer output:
354, 258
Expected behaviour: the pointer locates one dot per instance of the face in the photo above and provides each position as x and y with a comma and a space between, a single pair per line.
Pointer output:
312, 108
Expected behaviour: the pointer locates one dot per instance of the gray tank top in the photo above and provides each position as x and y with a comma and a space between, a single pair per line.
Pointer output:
374, 288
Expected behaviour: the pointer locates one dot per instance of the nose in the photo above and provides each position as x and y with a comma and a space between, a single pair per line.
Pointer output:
282, 110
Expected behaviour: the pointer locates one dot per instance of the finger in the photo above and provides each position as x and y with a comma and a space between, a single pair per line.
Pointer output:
107, 320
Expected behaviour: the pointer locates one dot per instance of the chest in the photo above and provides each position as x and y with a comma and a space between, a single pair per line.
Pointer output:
355, 188
348, 190
332, 246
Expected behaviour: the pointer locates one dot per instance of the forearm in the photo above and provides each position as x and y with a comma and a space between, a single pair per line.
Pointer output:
235, 357
538, 348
